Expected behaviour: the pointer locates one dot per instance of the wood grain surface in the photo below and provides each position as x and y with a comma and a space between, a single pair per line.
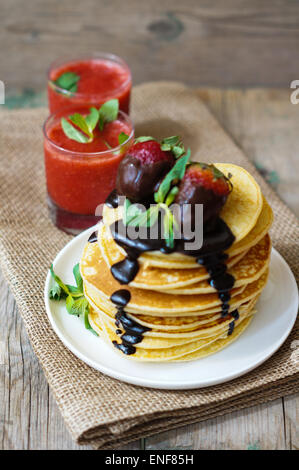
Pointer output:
218, 43
265, 124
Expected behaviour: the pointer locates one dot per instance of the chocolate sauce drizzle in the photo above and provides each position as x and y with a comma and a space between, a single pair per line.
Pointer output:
93, 237
125, 271
216, 240
133, 331
112, 200
231, 326
220, 279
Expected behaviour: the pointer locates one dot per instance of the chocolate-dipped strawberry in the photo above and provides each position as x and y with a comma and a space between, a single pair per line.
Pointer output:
203, 184
142, 169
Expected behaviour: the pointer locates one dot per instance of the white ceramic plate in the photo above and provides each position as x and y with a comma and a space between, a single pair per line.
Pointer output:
277, 311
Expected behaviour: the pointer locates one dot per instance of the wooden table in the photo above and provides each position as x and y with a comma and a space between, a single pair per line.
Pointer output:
240, 43
265, 124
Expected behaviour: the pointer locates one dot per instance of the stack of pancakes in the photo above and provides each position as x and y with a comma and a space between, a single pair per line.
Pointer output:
170, 297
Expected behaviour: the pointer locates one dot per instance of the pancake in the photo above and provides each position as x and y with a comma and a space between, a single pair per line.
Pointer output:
197, 329
99, 283
181, 324
149, 308
175, 352
244, 203
164, 324
164, 342
247, 270
217, 345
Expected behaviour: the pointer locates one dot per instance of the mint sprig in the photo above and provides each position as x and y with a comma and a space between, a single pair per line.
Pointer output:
75, 301
68, 81
164, 197
108, 112
85, 125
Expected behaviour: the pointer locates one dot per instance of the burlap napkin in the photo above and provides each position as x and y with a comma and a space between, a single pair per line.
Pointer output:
97, 409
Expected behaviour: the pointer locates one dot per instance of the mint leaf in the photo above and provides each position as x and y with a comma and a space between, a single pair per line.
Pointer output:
177, 151
87, 324
173, 144
169, 222
169, 142
72, 133
74, 291
108, 112
86, 321
78, 277
92, 119
140, 219
80, 122
68, 81
146, 218
153, 215
144, 139
56, 293
73, 88
77, 307
137, 218
122, 138
130, 211
69, 303
80, 308
171, 195
59, 282
175, 174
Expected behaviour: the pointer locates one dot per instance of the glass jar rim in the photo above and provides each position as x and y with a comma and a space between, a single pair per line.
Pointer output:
92, 55
103, 153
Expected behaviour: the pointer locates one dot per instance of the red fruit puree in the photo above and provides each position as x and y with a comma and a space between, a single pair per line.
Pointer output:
100, 80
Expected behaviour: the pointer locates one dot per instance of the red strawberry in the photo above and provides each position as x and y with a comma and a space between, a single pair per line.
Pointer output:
204, 184
142, 169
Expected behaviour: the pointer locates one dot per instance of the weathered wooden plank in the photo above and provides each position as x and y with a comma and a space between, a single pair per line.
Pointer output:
206, 42
259, 427
291, 409
29, 416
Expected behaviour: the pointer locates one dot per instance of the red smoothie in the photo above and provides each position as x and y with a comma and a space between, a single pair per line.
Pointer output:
101, 78
80, 176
